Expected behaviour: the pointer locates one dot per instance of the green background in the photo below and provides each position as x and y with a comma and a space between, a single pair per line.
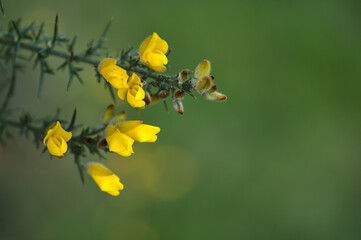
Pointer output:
280, 159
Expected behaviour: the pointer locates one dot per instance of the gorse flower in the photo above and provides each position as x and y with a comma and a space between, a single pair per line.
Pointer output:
114, 74
104, 178
152, 52
121, 137
134, 92
119, 142
127, 86
204, 83
56, 140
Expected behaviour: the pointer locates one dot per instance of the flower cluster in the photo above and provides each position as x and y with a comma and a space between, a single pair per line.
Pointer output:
119, 134
127, 86
204, 82
153, 52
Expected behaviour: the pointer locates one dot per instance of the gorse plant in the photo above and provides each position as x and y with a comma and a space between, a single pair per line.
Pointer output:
134, 75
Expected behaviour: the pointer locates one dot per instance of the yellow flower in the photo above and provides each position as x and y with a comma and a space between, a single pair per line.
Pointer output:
118, 142
114, 74
152, 52
121, 137
134, 92
104, 178
56, 140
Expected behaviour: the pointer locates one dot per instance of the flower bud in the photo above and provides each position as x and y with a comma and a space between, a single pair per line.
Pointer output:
120, 117
108, 114
163, 94
154, 98
215, 96
178, 106
179, 94
102, 143
203, 69
204, 84
183, 76
147, 98
89, 140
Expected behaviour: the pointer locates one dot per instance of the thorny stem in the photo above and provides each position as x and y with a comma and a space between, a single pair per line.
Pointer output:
81, 57
36, 130
18, 125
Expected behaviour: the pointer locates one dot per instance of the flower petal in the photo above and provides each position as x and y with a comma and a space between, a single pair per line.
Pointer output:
158, 68
159, 44
134, 80
142, 133
156, 58
57, 146
106, 62
144, 45
122, 92
134, 101
115, 75
128, 125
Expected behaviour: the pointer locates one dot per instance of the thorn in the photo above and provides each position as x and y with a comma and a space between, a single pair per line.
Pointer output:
55, 30
2, 7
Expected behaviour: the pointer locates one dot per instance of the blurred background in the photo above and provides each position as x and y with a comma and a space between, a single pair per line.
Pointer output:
280, 159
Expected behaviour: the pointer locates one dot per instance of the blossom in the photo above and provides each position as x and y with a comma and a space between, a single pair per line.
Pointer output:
56, 140
118, 142
134, 92
104, 178
112, 73
121, 137
152, 52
